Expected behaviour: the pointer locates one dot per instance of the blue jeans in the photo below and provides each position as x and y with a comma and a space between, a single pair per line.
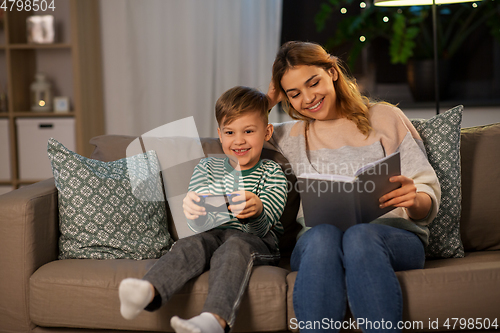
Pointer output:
359, 266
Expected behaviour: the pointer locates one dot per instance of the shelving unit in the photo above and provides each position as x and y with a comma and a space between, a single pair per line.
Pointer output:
72, 64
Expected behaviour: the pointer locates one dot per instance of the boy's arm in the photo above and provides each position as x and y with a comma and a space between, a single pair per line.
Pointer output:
198, 184
273, 197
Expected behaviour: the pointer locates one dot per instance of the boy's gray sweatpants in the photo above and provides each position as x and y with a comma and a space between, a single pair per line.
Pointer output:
230, 255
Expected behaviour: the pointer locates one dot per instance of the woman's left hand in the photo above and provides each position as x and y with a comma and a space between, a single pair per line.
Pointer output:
417, 204
401, 197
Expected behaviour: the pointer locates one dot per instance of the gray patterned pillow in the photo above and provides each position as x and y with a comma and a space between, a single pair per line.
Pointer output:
441, 137
109, 210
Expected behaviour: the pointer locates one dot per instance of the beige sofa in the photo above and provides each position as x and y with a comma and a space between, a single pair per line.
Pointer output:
42, 294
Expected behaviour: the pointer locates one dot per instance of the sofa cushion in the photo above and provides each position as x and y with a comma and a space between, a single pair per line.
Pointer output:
480, 154
131, 219
447, 288
93, 303
441, 137
112, 147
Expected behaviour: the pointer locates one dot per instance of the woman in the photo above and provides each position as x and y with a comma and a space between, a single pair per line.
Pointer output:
338, 130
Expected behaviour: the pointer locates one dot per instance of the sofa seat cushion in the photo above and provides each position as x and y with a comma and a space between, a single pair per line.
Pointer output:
447, 288
83, 293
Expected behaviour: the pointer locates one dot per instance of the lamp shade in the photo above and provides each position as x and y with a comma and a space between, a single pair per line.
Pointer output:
401, 3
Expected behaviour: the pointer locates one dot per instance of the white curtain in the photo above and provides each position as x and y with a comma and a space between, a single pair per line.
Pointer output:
165, 60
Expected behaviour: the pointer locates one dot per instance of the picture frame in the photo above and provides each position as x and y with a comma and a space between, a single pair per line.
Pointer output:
61, 104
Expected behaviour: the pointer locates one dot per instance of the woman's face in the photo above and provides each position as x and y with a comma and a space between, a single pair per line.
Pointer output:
311, 92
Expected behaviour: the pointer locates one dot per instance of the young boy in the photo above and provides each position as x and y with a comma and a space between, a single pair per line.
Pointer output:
247, 235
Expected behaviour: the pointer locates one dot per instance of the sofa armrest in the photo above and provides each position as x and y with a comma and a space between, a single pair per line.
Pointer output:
29, 233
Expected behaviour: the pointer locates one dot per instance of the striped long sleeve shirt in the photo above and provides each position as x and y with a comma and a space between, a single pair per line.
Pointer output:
266, 180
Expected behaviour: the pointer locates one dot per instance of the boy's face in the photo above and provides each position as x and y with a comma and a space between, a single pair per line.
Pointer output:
242, 140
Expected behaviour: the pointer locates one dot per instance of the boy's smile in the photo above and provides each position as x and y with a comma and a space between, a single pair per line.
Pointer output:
241, 152
242, 139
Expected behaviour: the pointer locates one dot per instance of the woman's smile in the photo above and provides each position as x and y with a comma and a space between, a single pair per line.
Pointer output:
316, 107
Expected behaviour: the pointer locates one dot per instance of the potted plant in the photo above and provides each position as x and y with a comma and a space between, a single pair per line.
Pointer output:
409, 32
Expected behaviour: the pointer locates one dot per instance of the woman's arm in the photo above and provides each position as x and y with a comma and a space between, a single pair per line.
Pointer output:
420, 193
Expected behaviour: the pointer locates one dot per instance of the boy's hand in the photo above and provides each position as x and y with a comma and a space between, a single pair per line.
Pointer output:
246, 205
191, 209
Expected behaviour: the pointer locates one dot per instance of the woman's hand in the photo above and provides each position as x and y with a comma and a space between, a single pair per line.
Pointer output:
191, 210
275, 96
246, 205
416, 203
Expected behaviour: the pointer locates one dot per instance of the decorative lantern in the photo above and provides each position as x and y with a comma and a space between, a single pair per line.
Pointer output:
41, 94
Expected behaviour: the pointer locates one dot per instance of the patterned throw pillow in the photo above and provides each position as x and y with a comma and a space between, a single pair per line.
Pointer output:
109, 210
441, 137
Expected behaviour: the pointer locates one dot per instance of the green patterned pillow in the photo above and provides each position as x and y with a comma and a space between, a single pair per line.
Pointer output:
441, 137
109, 210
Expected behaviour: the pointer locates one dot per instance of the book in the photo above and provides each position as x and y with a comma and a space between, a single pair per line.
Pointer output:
345, 201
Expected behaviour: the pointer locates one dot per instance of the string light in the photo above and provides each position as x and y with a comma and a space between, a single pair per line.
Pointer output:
362, 39
362, 5
343, 10
474, 5
385, 19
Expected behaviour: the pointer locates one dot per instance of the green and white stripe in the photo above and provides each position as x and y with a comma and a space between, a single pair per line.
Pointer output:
266, 180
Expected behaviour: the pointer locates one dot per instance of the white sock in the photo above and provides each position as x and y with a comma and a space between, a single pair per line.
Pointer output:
135, 295
204, 323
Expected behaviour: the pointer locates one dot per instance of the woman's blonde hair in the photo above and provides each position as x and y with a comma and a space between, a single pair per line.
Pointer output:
350, 103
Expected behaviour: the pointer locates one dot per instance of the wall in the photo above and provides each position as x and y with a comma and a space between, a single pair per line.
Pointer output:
472, 116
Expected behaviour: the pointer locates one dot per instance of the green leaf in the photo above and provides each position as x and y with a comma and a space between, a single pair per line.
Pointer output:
322, 16
403, 41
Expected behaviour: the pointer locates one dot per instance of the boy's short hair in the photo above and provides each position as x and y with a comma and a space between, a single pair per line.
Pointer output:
240, 100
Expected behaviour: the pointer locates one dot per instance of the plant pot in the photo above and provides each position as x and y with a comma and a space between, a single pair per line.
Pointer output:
420, 75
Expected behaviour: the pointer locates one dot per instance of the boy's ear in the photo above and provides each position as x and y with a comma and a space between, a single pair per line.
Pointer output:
219, 133
269, 131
